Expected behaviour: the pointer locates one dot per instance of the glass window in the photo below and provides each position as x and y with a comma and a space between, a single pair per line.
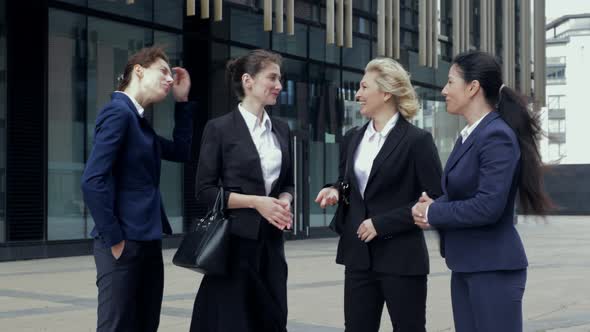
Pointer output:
169, 12
248, 28
556, 74
171, 178
85, 55
292, 104
325, 120
362, 5
67, 60
2, 121
359, 55
352, 111
139, 9
556, 102
295, 44
433, 117
328, 53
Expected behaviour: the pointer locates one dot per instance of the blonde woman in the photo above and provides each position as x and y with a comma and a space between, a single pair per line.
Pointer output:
390, 164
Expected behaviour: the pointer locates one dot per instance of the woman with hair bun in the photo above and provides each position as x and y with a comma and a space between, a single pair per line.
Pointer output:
249, 154
387, 164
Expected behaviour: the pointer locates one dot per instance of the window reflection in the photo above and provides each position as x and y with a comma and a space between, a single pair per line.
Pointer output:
85, 55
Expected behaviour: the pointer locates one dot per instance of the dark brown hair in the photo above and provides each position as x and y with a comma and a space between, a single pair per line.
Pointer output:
513, 108
145, 58
251, 63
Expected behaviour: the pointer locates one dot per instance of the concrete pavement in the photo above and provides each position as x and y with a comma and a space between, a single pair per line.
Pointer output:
60, 295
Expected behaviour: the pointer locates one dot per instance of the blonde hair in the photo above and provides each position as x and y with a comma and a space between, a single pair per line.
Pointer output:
394, 79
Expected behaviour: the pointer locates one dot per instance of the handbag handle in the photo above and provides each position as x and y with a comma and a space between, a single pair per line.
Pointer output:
219, 206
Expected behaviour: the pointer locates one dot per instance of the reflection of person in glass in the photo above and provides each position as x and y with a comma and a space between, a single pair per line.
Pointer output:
387, 163
249, 153
495, 157
121, 189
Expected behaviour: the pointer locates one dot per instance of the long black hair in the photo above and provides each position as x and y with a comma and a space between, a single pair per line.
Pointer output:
513, 108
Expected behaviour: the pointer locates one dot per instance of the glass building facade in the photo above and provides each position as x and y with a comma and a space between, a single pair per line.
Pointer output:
84, 46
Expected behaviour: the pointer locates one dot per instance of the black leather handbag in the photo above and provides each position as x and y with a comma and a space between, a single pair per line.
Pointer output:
339, 218
206, 248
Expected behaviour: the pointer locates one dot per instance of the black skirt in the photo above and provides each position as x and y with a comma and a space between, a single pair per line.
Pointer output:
253, 296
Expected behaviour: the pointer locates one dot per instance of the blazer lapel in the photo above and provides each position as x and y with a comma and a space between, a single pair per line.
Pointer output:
460, 151
144, 123
285, 158
391, 143
353, 145
244, 138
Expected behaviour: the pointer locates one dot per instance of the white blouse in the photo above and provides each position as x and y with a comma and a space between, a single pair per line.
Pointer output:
269, 149
368, 149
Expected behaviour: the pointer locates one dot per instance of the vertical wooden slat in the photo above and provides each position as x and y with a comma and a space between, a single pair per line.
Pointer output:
381, 27
290, 17
330, 21
190, 7
396, 24
218, 10
434, 31
525, 54
422, 35
388, 28
340, 22
205, 9
456, 26
279, 16
348, 25
267, 9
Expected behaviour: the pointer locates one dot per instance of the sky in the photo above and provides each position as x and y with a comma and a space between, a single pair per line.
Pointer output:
557, 8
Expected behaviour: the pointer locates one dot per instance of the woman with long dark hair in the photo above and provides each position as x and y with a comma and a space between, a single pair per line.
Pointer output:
495, 157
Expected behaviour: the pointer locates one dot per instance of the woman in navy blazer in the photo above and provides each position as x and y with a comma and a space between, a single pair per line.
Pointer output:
121, 189
495, 157
249, 154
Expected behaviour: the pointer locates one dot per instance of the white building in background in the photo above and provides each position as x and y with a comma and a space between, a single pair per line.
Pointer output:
566, 118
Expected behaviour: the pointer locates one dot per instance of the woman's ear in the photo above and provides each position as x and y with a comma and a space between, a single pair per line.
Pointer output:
387, 96
138, 70
473, 88
247, 81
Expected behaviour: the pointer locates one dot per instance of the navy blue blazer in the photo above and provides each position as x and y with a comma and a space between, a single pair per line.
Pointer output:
475, 215
122, 176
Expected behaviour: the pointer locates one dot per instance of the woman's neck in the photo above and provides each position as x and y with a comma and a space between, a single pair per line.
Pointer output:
382, 117
475, 112
253, 106
134, 91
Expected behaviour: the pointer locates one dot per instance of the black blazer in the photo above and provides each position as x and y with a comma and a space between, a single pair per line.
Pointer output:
229, 157
406, 165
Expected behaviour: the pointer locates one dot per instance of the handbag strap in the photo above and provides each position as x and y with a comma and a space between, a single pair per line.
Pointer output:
219, 206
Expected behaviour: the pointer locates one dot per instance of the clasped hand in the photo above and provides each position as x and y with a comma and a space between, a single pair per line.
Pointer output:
419, 211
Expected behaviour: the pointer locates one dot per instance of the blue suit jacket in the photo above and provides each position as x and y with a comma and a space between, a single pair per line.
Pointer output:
122, 176
475, 215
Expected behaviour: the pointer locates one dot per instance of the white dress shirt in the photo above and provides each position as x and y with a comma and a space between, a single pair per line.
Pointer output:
137, 105
469, 129
368, 149
464, 134
267, 145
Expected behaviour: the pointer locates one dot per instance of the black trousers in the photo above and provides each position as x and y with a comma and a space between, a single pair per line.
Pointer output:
365, 292
129, 288
252, 297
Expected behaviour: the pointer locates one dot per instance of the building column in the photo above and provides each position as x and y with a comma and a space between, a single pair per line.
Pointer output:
540, 61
